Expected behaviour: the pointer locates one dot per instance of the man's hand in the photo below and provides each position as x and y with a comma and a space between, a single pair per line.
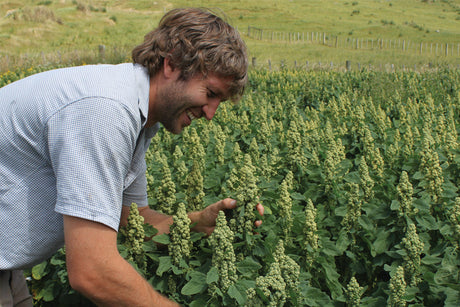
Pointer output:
205, 220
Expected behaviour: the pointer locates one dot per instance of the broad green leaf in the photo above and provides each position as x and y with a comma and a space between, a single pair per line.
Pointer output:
427, 221
47, 293
162, 239
452, 298
341, 211
297, 196
196, 284
428, 259
200, 302
315, 297
150, 230
248, 266
39, 270
446, 275
343, 241
212, 275
164, 265
236, 294
382, 243
449, 190
395, 205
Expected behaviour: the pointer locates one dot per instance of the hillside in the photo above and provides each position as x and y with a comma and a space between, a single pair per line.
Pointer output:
64, 29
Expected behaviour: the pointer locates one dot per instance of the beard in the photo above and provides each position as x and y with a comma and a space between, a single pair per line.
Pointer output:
174, 103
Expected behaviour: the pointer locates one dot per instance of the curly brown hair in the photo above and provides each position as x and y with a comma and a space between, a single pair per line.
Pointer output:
196, 40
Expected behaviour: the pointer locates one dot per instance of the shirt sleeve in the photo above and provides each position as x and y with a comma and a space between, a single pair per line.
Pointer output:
91, 143
136, 192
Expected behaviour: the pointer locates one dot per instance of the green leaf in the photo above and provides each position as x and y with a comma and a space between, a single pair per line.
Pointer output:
418, 175
212, 276
164, 265
329, 248
315, 297
248, 266
196, 284
39, 270
196, 236
343, 241
341, 211
427, 222
149, 230
200, 302
297, 196
395, 205
211, 182
162, 239
452, 298
449, 190
446, 275
235, 293
382, 243
47, 292
428, 259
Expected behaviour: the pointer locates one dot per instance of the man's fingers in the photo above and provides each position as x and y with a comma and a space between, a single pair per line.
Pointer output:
260, 209
228, 203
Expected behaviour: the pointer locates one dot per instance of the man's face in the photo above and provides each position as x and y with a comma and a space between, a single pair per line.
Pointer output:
180, 102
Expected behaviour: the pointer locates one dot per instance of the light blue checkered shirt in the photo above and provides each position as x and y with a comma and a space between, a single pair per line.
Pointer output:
72, 142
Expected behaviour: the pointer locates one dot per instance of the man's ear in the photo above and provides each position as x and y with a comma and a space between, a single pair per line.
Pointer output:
168, 69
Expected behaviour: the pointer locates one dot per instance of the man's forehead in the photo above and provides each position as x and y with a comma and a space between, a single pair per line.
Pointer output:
220, 85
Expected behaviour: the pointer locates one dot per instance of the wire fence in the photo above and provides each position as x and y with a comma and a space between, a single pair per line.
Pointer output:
323, 38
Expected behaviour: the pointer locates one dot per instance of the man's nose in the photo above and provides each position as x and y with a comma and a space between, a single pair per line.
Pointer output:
211, 108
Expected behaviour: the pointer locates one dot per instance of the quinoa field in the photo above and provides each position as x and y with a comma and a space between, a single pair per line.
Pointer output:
359, 174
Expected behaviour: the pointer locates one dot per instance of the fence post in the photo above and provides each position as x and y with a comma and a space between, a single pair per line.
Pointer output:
102, 53
348, 65
254, 62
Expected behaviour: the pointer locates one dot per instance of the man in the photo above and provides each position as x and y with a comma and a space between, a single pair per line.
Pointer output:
72, 145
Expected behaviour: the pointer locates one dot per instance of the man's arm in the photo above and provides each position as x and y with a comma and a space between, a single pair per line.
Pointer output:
97, 270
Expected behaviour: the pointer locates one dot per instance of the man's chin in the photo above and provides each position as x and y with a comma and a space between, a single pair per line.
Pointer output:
174, 130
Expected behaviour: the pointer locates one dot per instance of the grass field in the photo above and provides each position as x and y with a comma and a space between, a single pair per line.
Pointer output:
34, 31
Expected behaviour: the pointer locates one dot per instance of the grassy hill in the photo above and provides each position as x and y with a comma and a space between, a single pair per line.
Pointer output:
71, 30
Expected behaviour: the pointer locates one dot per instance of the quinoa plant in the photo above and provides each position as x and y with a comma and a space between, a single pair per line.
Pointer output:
134, 235
354, 293
413, 247
223, 257
194, 190
180, 245
166, 192
397, 289
367, 183
310, 234
285, 209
